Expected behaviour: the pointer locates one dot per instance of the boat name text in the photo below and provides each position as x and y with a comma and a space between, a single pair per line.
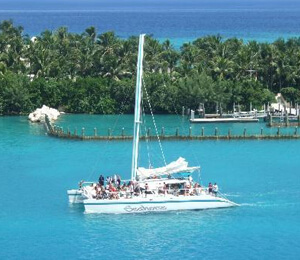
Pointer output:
143, 208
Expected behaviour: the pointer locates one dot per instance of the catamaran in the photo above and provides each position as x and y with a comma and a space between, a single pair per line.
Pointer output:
149, 189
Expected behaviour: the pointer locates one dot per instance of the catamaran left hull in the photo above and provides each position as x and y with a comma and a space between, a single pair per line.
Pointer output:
126, 206
75, 196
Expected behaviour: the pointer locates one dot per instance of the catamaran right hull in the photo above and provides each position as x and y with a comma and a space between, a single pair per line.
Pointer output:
125, 206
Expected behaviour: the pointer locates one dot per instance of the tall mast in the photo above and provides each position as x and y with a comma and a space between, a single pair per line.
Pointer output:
137, 109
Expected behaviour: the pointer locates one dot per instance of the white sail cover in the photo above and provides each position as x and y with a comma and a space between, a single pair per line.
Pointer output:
179, 166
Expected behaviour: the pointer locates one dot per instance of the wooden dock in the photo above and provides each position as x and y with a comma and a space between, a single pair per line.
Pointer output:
287, 122
56, 131
225, 120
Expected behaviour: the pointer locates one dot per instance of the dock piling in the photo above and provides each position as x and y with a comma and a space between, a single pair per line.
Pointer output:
162, 131
192, 114
286, 119
58, 131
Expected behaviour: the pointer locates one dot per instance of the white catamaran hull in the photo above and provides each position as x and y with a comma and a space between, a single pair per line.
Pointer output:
75, 196
157, 205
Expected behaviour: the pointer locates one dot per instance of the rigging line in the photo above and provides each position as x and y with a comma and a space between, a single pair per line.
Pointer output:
146, 137
154, 123
93, 172
181, 121
199, 170
151, 156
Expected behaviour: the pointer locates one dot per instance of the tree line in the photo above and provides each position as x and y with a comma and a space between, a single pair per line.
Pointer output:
95, 73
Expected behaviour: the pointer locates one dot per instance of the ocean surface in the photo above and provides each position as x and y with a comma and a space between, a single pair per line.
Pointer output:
178, 20
36, 221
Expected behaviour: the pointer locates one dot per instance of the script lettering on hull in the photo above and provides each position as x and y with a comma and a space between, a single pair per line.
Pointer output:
144, 208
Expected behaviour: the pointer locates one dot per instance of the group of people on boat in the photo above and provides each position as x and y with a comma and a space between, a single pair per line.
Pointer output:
114, 179
112, 187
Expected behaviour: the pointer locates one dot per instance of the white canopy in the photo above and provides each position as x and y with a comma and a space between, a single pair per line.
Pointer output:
179, 166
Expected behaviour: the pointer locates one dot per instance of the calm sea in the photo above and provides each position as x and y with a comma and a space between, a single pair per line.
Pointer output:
178, 20
36, 221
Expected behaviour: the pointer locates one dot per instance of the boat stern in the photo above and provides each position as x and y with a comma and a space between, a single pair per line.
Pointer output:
75, 196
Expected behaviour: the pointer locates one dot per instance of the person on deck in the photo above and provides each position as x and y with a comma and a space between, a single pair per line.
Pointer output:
115, 178
101, 180
80, 184
165, 189
210, 188
190, 178
215, 189
131, 188
118, 180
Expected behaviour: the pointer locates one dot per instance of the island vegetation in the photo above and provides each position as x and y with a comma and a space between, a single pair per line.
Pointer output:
95, 73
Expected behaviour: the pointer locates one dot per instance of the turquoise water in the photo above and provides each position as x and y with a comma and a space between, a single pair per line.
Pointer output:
36, 221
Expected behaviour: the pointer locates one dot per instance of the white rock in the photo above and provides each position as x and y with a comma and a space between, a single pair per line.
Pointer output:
39, 114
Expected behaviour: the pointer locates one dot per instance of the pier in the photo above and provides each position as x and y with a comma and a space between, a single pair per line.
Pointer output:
280, 114
59, 132
224, 120
283, 121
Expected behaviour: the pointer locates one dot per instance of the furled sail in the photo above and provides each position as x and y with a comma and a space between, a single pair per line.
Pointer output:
178, 166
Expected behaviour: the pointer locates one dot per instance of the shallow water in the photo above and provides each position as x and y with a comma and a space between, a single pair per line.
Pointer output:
36, 221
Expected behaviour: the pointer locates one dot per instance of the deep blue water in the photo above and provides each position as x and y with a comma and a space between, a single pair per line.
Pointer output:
178, 20
36, 221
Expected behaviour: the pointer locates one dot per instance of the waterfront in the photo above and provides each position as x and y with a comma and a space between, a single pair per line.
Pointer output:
36, 219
